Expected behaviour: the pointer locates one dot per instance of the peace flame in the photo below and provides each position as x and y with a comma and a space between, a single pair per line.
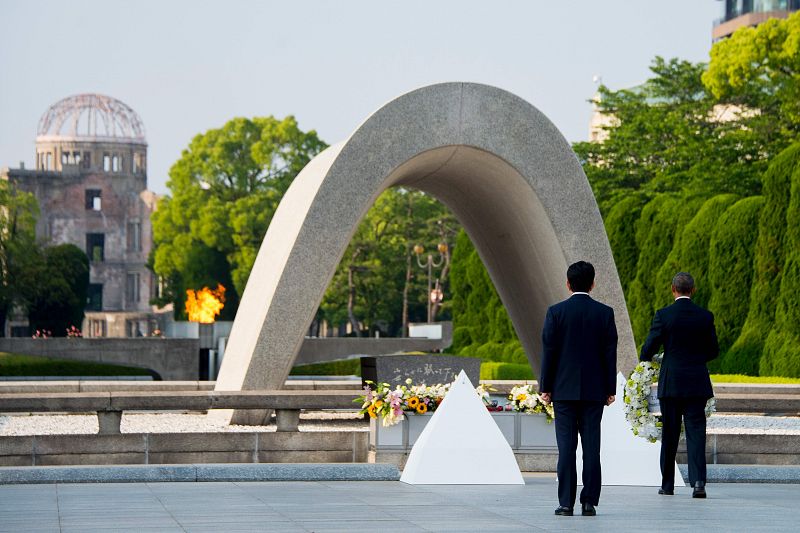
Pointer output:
203, 305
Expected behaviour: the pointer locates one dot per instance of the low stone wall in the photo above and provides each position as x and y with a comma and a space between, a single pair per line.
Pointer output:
748, 449
171, 359
185, 448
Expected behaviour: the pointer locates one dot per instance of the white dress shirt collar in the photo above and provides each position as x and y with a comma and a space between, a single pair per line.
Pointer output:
579, 292
680, 297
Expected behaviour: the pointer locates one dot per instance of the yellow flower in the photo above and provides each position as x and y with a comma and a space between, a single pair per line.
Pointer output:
521, 397
378, 404
371, 411
422, 408
413, 402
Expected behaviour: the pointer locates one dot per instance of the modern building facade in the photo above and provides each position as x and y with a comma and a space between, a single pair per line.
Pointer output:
91, 184
739, 13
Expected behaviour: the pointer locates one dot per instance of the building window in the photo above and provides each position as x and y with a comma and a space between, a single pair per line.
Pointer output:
95, 246
86, 160
48, 161
94, 302
97, 328
135, 236
106, 163
116, 163
138, 163
132, 287
93, 199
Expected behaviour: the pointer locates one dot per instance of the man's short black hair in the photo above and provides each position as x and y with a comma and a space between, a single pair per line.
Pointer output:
683, 283
580, 276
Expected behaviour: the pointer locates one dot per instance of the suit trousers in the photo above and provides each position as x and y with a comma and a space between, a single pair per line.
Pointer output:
575, 418
692, 411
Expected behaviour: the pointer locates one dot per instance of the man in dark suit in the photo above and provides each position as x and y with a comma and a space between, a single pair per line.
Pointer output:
689, 338
579, 366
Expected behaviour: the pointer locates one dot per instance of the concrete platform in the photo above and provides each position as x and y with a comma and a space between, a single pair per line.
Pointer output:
352, 506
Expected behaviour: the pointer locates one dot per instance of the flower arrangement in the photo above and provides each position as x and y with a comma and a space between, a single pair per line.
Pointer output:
42, 334
389, 404
636, 401
525, 400
74, 333
381, 401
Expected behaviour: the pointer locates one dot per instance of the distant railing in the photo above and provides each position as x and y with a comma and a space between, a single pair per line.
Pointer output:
109, 406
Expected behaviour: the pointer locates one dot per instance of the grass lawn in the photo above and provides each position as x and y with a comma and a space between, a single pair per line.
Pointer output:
32, 365
740, 378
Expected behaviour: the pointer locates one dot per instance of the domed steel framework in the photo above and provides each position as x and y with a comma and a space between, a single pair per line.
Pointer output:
91, 117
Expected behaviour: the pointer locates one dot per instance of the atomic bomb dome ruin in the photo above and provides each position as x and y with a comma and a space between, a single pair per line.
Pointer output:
90, 180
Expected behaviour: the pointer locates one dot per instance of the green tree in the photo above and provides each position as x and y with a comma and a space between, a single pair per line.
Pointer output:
668, 135
730, 276
378, 284
223, 193
770, 257
690, 251
758, 69
781, 355
19, 253
620, 224
62, 288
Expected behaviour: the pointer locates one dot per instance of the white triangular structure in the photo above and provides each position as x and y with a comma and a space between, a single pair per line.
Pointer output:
462, 445
626, 459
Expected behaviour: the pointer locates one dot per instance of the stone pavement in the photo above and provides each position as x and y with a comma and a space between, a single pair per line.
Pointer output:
360, 506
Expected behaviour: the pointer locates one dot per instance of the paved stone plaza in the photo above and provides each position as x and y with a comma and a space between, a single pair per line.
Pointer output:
384, 506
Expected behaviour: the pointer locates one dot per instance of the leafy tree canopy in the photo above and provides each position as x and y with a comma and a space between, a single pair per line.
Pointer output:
224, 191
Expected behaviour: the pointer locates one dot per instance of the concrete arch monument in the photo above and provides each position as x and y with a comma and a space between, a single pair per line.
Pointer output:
498, 164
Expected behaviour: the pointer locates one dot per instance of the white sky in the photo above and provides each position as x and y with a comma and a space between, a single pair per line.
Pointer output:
187, 66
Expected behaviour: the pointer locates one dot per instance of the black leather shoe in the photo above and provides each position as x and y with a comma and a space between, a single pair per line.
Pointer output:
699, 489
665, 492
587, 509
563, 511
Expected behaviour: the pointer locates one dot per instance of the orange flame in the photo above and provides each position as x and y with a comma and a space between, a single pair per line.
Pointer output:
203, 305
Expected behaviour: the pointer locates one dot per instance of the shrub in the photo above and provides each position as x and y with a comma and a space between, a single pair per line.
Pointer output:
769, 258
655, 233
690, 252
730, 274
782, 347
508, 371
620, 226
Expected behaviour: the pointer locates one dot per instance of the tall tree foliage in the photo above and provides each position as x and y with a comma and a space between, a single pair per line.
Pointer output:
19, 254
758, 69
223, 193
730, 275
690, 251
769, 256
61, 291
669, 135
781, 355
378, 283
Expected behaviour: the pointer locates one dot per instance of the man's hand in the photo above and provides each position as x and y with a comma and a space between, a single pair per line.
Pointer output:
545, 396
610, 399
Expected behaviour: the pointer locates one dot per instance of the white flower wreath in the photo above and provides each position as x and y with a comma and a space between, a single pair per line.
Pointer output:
636, 403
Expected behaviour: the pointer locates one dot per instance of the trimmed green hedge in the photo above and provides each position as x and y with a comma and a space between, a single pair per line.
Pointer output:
690, 252
620, 224
782, 348
482, 327
345, 367
493, 370
34, 365
769, 260
655, 235
730, 270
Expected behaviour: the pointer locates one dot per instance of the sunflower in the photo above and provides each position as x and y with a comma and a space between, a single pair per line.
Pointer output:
422, 408
413, 402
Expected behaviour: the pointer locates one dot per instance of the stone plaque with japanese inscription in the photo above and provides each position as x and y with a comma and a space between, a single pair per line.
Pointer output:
422, 369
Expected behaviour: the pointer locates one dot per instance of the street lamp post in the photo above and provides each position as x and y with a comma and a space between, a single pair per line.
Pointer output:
434, 295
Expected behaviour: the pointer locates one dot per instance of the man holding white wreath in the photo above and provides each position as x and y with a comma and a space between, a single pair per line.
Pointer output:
689, 338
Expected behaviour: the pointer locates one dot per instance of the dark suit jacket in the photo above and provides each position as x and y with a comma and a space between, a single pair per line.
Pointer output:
689, 338
579, 350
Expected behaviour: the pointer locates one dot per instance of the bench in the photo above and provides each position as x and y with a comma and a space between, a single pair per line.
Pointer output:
109, 406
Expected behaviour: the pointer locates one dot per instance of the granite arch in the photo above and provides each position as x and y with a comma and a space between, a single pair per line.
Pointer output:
495, 160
